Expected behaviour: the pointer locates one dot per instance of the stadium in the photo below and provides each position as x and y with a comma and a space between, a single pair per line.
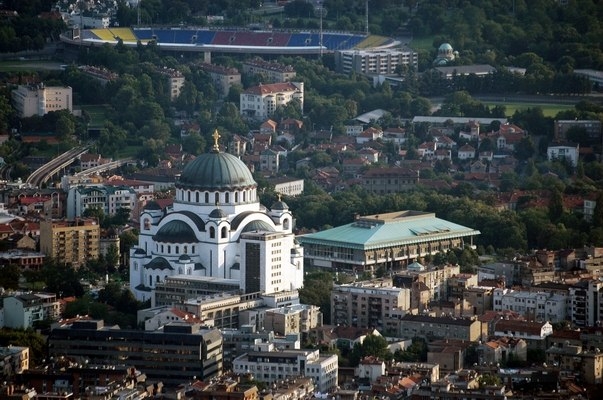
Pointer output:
230, 40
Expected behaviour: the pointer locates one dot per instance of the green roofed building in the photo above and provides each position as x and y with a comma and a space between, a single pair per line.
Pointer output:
391, 241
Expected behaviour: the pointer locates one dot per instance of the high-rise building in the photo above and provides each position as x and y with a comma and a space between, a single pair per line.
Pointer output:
70, 242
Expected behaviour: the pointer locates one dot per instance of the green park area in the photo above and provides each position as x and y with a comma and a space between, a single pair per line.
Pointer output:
548, 109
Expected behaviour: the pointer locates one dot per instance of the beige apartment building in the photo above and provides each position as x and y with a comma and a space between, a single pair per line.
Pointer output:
367, 304
30, 100
222, 77
70, 242
271, 72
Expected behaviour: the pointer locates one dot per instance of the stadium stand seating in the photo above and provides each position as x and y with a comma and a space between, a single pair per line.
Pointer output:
104, 34
330, 40
124, 34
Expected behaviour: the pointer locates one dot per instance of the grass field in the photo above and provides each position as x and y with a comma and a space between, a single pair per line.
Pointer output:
423, 43
97, 115
29, 65
549, 110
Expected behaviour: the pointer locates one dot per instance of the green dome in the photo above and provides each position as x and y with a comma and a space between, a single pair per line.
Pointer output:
216, 171
175, 232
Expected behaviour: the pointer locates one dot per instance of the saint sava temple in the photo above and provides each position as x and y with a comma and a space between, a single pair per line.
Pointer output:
218, 238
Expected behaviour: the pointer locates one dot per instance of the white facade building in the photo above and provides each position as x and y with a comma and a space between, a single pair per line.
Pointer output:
261, 101
217, 230
107, 198
534, 306
21, 311
268, 365
383, 61
30, 100
567, 151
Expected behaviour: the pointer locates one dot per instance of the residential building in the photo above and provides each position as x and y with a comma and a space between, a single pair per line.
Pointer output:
269, 71
564, 151
287, 185
375, 62
434, 280
367, 303
217, 232
590, 126
175, 81
196, 351
110, 199
21, 311
383, 180
501, 350
261, 101
479, 70
534, 333
70, 242
440, 327
223, 77
389, 241
477, 300
14, 359
466, 152
533, 306
588, 365
270, 366
25, 260
585, 303
30, 100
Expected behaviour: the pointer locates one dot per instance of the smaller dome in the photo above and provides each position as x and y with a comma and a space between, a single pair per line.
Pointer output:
217, 213
139, 252
445, 47
257, 225
159, 263
175, 232
184, 258
279, 205
152, 205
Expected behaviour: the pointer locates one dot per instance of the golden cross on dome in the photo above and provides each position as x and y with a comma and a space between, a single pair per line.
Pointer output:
279, 196
216, 136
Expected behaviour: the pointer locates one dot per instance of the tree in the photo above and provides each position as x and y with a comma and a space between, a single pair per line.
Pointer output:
555, 205
597, 220
525, 149
373, 345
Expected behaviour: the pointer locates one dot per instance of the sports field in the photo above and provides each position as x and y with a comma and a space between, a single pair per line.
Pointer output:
548, 109
97, 115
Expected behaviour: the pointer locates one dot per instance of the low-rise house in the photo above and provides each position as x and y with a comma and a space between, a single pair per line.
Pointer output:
368, 135
466, 152
566, 151
502, 350
534, 333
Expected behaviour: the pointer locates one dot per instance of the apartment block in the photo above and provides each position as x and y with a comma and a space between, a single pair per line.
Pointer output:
194, 350
22, 311
222, 77
269, 365
108, 198
270, 71
375, 62
533, 306
70, 242
367, 304
30, 100
440, 327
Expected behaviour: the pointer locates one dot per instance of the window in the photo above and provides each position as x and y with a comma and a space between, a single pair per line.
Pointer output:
212, 232
223, 233
206, 198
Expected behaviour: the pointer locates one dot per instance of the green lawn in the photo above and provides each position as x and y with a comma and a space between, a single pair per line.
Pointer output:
97, 115
29, 65
549, 110
423, 43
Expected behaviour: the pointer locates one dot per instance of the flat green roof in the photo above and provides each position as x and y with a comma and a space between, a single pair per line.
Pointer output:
388, 230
